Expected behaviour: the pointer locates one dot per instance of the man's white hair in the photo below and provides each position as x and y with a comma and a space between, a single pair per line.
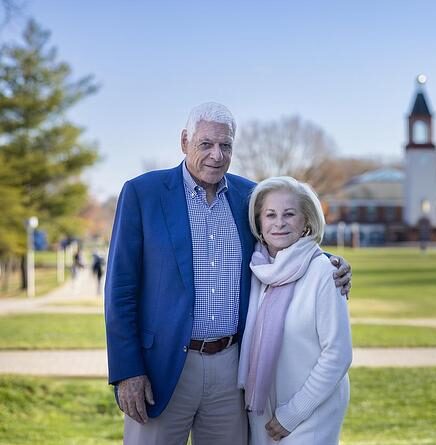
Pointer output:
210, 112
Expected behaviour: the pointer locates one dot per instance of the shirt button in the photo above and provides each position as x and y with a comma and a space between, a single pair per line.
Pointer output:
185, 349
212, 263
211, 236
212, 290
213, 317
193, 194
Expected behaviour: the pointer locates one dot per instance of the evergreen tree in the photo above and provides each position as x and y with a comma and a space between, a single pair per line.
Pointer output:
41, 151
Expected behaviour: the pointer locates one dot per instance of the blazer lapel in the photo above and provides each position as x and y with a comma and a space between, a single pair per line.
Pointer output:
239, 206
176, 214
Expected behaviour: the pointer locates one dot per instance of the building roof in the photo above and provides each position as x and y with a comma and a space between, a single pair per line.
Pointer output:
384, 184
380, 175
420, 107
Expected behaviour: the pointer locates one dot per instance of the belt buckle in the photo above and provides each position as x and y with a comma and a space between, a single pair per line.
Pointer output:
229, 343
201, 350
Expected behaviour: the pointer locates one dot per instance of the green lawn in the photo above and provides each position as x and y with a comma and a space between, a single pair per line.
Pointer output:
42, 411
45, 277
52, 331
391, 407
46, 258
366, 335
390, 282
388, 407
76, 331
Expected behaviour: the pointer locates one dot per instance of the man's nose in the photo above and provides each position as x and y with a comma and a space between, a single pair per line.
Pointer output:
216, 154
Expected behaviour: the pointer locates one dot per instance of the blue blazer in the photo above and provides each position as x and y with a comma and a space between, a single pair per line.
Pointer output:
149, 292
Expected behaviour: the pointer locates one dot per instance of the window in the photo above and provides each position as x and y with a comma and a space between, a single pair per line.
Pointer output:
353, 213
390, 213
420, 132
371, 213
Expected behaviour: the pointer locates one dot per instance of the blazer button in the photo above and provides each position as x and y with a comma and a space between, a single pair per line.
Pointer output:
185, 349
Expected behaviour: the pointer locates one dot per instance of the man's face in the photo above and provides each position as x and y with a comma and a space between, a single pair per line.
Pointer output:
208, 153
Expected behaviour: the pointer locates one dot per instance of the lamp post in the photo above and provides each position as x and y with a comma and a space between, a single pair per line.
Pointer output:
32, 224
340, 236
355, 235
424, 225
60, 264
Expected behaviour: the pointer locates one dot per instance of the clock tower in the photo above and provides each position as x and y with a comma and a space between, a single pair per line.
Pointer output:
420, 183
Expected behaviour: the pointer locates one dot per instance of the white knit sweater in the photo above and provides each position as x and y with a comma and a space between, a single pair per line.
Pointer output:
316, 351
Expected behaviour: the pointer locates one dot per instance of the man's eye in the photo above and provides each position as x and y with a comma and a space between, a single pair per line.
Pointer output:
205, 145
226, 147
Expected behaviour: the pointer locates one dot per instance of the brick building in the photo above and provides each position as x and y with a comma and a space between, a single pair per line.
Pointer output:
389, 205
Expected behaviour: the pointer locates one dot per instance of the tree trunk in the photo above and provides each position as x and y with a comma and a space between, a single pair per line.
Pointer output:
23, 272
7, 269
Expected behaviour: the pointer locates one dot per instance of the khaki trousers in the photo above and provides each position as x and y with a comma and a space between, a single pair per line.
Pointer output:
206, 402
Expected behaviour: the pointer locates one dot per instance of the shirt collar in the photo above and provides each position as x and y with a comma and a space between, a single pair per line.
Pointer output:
194, 187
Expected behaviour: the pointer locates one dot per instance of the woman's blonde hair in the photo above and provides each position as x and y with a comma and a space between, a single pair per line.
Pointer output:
307, 198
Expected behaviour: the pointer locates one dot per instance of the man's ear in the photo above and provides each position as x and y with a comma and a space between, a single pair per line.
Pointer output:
184, 141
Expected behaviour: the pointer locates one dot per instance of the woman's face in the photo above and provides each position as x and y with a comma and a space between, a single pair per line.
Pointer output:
281, 220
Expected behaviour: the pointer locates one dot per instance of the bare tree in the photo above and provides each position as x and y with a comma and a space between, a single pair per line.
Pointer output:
288, 146
8, 9
334, 173
293, 147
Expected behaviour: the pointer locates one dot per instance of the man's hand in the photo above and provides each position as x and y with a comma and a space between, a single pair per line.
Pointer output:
342, 276
132, 395
275, 430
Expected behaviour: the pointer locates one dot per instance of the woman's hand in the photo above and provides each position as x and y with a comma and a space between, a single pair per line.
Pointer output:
275, 430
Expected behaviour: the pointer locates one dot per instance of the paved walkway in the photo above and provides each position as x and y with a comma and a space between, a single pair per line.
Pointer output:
73, 363
78, 296
419, 322
396, 357
92, 363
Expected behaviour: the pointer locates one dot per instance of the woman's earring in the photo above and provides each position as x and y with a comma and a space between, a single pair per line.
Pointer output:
306, 231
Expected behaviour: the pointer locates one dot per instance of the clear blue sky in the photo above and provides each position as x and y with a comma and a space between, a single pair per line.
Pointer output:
348, 66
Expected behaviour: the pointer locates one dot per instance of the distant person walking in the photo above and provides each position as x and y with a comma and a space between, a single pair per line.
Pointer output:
77, 264
97, 269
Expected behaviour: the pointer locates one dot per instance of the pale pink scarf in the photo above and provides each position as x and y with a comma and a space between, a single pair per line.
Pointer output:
264, 328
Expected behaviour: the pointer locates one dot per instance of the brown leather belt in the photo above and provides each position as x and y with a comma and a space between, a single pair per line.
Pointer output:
212, 347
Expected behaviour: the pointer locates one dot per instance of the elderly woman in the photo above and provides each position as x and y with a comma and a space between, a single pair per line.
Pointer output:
296, 349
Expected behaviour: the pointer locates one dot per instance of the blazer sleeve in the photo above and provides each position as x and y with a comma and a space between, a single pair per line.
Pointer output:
334, 334
123, 284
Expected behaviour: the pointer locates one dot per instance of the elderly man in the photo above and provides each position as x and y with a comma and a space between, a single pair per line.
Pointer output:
177, 293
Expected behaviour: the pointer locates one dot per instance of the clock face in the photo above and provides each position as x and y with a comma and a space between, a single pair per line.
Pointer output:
420, 132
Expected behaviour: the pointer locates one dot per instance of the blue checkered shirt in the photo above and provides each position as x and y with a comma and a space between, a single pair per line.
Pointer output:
217, 257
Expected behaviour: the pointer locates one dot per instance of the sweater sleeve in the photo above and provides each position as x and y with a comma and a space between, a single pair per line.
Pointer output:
334, 334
